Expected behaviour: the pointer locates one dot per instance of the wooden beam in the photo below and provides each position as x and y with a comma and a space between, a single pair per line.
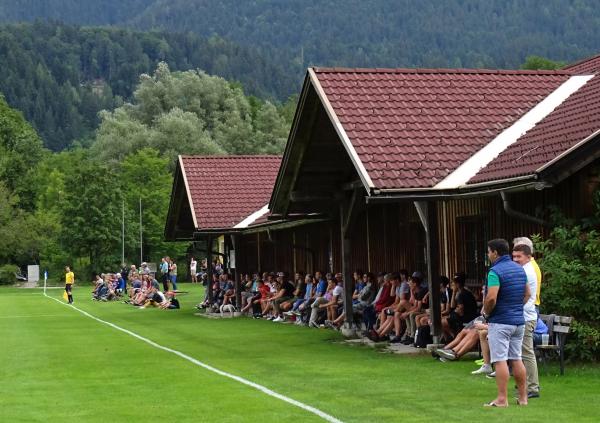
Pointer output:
305, 197
427, 211
209, 270
238, 282
346, 244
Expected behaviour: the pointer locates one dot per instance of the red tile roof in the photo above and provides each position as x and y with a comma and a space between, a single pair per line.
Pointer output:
574, 120
412, 127
588, 66
226, 189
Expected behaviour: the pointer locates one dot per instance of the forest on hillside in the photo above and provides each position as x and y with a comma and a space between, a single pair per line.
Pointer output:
298, 33
60, 76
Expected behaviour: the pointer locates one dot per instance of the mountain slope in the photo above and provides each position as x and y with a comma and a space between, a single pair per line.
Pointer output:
61, 76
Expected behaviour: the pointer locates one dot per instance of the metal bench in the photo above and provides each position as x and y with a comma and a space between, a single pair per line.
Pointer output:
558, 329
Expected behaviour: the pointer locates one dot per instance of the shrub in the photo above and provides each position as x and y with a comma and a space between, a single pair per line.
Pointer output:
570, 260
7, 274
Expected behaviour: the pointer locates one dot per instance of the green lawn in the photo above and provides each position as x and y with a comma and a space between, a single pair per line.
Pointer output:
59, 365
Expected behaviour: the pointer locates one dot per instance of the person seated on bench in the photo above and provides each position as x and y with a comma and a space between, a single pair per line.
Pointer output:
360, 302
285, 292
321, 303
463, 306
401, 304
297, 295
464, 342
419, 302
302, 294
337, 300
318, 291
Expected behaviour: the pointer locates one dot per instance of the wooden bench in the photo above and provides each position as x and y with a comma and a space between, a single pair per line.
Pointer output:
558, 329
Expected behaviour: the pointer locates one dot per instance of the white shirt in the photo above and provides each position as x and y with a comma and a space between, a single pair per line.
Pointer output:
193, 265
529, 307
338, 291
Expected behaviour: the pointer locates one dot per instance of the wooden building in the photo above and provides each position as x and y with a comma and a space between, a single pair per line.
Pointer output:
417, 168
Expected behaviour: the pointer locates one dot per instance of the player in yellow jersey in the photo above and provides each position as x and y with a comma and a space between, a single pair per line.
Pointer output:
69, 280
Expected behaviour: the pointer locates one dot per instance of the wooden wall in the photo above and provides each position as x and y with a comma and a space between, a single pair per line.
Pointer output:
390, 237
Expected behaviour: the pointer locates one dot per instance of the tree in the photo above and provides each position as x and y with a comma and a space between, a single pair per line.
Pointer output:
91, 211
20, 150
190, 113
541, 63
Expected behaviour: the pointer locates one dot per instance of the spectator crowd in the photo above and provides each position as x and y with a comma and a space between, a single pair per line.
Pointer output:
393, 306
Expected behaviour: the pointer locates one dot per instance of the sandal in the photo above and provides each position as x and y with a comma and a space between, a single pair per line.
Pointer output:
493, 404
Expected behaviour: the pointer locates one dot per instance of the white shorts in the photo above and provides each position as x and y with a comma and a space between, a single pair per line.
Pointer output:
505, 341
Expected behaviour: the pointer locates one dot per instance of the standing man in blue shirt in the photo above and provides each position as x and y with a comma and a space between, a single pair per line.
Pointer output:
503, 308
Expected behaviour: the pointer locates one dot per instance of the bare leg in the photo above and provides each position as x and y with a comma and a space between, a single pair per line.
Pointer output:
502, 382
469, 341
520, 375
485, 347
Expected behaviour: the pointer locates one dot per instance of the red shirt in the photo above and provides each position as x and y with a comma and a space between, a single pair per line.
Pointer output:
264, 291
385, 299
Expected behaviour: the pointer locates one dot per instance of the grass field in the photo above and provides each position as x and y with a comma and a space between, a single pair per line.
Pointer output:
59, 365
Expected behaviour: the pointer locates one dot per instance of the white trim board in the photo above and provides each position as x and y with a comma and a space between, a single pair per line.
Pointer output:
462, 174
362, 171
253, 217
187, 190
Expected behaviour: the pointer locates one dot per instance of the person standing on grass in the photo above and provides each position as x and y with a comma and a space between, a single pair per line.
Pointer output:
173, 274
164, 273
193, 264
69, 281
522, 255
503, 308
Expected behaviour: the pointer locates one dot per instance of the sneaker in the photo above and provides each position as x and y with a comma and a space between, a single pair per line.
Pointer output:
329, 324
296, 313
278, 319
409, 340
491, 375
442, 359
257, 316
447, 354
533, 394
486, 369
313, 325
288, 313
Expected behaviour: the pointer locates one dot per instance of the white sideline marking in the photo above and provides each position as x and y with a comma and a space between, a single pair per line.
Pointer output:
246, 382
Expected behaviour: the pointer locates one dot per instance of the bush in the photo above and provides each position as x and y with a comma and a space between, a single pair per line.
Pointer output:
570, 260
7, 274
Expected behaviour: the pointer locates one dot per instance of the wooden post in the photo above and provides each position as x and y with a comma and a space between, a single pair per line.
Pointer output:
346, 245
209, 268
238, 282
433, 269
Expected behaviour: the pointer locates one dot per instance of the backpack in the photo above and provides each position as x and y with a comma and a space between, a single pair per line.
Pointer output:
423, 337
